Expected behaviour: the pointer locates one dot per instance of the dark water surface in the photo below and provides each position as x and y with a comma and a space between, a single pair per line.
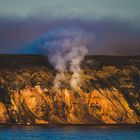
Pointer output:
70, 132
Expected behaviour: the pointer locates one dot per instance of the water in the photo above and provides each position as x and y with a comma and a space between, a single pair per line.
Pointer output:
70, 132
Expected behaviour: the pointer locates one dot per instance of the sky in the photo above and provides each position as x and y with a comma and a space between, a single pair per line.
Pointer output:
115, 24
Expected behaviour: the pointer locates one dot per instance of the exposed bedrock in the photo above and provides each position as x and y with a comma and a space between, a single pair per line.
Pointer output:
109, 93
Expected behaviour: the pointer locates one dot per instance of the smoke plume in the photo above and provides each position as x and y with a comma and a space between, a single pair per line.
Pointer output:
66, 48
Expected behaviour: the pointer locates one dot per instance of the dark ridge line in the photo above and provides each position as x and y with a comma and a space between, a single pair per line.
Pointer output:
85, 56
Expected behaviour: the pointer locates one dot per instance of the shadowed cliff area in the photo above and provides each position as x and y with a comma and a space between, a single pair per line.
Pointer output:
109, 91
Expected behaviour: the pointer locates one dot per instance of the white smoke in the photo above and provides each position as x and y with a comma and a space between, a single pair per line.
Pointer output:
66, 48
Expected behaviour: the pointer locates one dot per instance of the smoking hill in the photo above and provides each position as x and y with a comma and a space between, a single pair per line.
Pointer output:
108, 91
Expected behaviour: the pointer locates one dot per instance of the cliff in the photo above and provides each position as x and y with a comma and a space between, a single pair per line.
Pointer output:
109, 91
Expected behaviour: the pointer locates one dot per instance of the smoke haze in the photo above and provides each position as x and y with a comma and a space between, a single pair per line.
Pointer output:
112, 36
66, 48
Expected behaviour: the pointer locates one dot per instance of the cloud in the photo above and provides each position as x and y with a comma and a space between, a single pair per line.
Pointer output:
112, 36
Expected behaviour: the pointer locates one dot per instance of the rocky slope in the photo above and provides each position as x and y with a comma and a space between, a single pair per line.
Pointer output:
109, 91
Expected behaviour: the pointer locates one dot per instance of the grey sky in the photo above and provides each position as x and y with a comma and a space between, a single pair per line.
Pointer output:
126, 9
117, 30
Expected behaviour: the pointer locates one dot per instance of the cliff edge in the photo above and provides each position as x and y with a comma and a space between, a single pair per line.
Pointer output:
109, 91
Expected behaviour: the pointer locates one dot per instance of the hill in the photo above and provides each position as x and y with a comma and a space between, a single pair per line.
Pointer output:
109, 91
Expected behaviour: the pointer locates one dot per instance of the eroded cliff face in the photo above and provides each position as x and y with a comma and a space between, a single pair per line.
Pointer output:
109, 93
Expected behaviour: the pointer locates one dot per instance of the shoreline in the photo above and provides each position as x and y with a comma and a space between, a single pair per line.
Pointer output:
118, 124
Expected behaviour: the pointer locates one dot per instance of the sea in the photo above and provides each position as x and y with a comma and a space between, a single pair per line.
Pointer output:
69, 132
